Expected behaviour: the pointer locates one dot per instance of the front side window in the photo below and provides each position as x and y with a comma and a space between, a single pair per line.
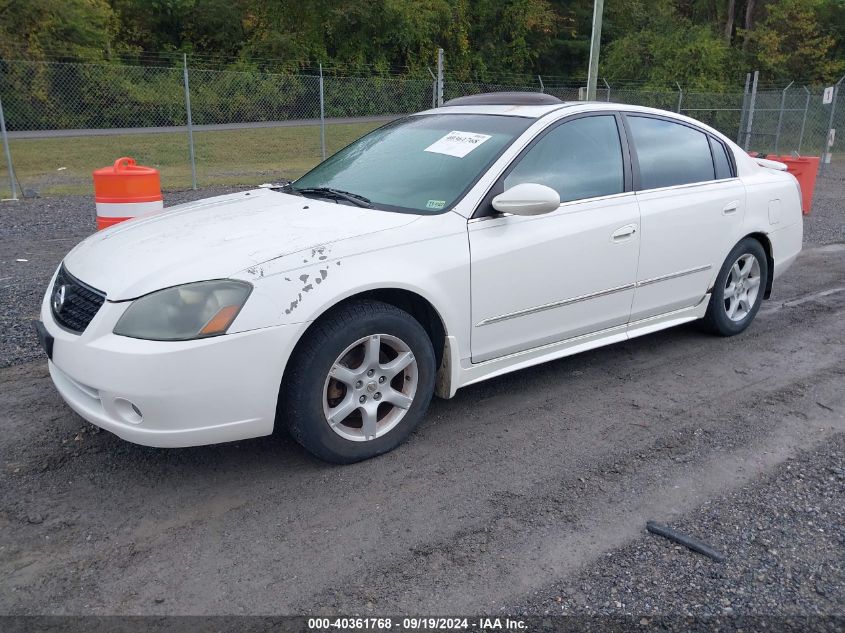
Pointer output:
419, 164
670, 153
579, 159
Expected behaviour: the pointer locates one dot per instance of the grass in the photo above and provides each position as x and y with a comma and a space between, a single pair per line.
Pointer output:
226, 157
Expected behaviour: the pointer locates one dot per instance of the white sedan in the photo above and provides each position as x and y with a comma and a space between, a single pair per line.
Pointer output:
445, 248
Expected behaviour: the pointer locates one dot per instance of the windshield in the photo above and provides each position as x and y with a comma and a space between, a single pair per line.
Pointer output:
420, 164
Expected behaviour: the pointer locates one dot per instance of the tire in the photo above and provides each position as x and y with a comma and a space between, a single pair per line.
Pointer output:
739, 289
332, 372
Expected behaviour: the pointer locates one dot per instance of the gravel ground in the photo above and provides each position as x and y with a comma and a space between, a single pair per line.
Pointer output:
784, 540
524, 494
826, 223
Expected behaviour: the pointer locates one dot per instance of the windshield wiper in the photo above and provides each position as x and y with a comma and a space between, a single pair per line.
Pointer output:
337, 194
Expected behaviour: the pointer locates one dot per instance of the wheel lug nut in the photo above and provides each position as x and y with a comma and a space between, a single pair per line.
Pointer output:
376, 396
371, 373
359, 384
381, 378
362, 399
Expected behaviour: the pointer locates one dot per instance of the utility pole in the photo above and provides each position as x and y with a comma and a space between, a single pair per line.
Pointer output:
439, 77
595, 42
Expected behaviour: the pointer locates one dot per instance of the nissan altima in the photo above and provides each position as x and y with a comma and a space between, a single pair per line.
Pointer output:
445, 248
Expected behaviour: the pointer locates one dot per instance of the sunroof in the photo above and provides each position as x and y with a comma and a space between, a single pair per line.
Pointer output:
505, 98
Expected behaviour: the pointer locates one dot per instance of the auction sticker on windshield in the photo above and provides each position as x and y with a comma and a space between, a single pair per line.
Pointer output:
457, 143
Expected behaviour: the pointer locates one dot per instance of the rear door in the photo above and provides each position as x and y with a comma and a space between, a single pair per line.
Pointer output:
691, 207
542, 279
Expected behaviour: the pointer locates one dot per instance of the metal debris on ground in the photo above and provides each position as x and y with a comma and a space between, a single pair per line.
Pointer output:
688, 541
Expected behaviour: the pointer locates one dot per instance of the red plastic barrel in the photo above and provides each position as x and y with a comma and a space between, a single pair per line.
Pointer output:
126, 190
805, 169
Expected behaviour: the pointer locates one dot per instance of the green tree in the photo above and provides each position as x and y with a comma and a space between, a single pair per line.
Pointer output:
567, 51
39, 29
708, 44
481, 36
789, 43
509, 36
205, 26
654, 45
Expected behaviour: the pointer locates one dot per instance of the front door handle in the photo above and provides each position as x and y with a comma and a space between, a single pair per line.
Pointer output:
731, 207
624, 233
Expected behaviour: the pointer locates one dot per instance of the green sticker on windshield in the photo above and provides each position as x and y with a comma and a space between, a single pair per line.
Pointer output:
435, 204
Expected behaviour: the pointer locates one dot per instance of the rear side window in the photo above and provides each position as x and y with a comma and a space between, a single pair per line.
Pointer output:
670, 153
579, 159
720, 160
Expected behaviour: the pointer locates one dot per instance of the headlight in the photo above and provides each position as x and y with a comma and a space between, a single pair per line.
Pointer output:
182, 313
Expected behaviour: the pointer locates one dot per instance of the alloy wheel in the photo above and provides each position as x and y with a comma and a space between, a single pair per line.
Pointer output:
742, 287
370, 387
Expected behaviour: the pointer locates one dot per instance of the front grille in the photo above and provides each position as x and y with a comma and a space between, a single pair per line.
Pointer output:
73, 303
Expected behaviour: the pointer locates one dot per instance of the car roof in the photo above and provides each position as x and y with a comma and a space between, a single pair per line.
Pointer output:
574, 107
537, 111
529, 111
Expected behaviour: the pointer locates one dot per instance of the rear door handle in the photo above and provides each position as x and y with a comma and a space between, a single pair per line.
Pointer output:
731, 207
624, 233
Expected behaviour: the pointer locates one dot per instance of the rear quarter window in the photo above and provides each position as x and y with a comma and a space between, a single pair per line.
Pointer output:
720, 160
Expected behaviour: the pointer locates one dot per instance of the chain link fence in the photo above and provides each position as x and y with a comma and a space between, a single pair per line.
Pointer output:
794, 119
247, 126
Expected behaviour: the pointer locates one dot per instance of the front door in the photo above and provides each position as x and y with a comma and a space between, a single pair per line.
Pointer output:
543, 279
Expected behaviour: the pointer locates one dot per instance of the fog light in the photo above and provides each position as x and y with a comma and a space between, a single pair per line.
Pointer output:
128, 411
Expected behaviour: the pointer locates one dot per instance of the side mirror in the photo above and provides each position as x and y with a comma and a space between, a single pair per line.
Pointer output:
527, 198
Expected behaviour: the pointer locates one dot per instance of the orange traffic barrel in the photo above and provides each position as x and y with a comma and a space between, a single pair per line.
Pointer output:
124, 191
805, 169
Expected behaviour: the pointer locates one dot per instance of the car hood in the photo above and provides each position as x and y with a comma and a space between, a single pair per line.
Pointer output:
215, 238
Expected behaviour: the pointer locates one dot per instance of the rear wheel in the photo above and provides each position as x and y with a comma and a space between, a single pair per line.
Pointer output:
360, 383
738, 291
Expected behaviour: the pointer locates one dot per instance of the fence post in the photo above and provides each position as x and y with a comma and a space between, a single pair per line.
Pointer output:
433, 88
322, 116
542, 87
190, 123
607, 85
780, 115
826, 155
742, 109
439, 77
750, 121
804, 120
8, 154
680, 96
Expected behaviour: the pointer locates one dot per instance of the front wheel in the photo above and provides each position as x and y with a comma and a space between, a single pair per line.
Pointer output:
739, 288
360, 383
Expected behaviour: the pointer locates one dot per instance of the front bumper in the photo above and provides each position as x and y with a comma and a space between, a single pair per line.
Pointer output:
169, 394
